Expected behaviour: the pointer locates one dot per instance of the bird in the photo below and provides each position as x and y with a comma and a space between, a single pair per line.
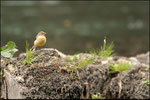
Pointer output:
40, 40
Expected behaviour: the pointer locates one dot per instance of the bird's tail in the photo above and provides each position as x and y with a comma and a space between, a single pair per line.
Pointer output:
33, 48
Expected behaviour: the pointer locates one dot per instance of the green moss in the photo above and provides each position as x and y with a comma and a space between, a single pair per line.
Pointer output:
119, 67
83, 63
146, 82
75, 57
148, 67
97, 96
76, 63
1, 73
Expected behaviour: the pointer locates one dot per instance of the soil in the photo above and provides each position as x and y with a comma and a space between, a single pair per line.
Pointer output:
49, 77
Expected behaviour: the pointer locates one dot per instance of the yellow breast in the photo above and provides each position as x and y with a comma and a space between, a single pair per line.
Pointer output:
40, 41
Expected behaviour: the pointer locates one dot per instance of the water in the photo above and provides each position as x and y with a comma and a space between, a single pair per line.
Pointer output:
74, 27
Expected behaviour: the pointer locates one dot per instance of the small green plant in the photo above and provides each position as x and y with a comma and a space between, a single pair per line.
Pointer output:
8, 50
119, 67
105, 51
29, 55
73, 72
85, 62
148, 67
146, 82
1, 73
97, 96
79, 63
75, 57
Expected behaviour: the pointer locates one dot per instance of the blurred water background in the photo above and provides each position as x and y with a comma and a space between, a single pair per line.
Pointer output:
74, 27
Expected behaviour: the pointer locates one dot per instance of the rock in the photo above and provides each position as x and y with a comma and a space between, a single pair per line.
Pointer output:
134, 61
45, 79
144, 58
131, 84
60, 53
10, 68
11, 88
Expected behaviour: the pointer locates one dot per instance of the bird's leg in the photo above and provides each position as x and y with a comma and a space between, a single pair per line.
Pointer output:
33, 48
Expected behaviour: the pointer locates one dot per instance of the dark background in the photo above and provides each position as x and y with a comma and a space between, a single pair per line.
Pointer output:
74, 27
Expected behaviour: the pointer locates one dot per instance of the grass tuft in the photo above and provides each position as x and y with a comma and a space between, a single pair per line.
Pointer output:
105, 51
29, 55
